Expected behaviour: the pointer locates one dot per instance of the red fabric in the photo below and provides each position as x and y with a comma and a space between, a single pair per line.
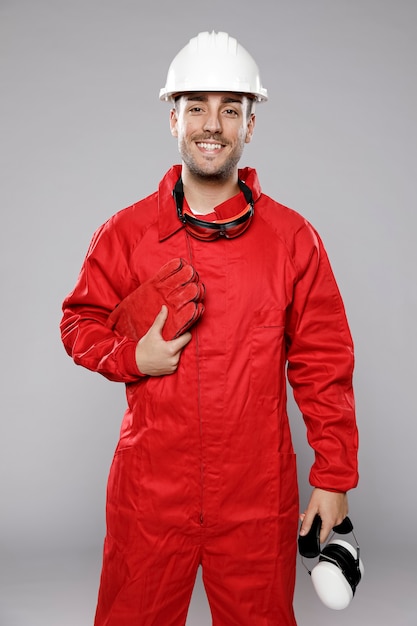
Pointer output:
204, 471
177, 286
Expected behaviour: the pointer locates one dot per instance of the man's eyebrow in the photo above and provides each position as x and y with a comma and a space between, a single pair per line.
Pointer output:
231, 100
195, 98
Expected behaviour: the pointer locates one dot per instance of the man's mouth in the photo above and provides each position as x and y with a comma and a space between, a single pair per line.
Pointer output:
211, 147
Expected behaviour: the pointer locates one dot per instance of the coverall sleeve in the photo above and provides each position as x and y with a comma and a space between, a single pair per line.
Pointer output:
320, 365
103, 281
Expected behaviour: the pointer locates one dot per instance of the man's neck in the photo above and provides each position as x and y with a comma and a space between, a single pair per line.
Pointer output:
203, 195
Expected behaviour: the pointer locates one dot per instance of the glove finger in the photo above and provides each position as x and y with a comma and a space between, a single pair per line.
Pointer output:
184, 275
179, 322
201, 291
169, 269
199, 311
192, 292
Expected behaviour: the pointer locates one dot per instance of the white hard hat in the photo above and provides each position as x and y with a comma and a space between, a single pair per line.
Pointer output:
213, 62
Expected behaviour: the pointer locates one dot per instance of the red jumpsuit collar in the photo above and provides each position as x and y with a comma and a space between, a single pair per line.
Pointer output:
167, 214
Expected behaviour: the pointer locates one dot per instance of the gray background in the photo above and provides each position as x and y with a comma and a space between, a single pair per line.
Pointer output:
83, 135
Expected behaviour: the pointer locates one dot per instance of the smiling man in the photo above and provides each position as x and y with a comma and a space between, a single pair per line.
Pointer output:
202, 298
212, 129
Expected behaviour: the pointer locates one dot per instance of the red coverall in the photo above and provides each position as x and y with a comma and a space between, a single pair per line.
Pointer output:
204, 471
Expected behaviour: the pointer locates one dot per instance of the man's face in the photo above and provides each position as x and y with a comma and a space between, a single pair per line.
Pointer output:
212, 129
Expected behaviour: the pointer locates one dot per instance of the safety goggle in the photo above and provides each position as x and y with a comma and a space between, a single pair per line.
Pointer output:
210, 231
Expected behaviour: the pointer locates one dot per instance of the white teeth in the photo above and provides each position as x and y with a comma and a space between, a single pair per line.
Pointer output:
209, 146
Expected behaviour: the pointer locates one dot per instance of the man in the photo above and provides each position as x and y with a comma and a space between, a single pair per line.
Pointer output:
204, 472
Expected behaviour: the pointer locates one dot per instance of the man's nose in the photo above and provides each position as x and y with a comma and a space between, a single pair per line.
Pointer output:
212, 123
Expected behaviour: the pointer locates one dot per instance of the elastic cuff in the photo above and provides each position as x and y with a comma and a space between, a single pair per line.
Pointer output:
127, 356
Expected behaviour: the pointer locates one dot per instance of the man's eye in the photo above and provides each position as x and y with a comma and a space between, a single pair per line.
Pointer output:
231, 112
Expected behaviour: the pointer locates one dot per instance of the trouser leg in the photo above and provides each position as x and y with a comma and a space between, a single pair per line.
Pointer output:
157, 593
150, 557
248, 582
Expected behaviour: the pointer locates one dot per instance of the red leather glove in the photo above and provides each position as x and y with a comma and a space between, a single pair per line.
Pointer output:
176, 285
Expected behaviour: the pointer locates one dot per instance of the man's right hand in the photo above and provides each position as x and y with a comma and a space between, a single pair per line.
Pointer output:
154, 355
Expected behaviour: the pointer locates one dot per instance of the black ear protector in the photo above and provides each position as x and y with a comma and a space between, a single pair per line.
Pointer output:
340, 568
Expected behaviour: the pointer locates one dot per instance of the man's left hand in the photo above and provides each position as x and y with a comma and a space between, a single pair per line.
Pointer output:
331, 506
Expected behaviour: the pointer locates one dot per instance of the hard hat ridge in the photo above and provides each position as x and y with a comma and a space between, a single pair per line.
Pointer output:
213, 62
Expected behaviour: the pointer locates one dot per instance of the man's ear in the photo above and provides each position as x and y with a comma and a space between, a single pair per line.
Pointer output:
250, 128
173, 121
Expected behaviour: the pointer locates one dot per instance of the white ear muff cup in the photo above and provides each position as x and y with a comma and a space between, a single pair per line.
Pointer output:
336, 576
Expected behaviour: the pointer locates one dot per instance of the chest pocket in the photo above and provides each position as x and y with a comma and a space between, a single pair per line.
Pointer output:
268, 358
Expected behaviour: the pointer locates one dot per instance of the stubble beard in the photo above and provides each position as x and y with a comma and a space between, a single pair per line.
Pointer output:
222, 173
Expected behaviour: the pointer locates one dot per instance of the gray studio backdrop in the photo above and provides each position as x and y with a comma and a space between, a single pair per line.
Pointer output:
83, 135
